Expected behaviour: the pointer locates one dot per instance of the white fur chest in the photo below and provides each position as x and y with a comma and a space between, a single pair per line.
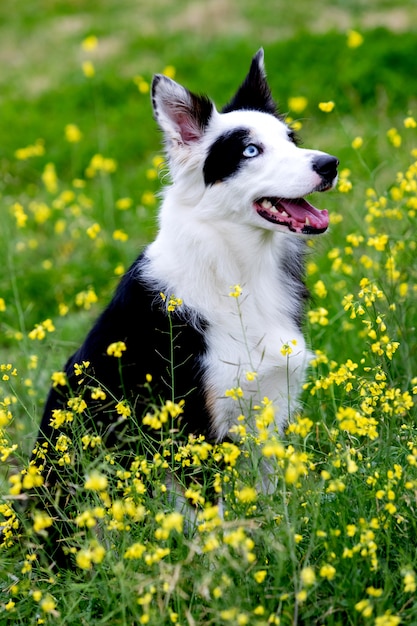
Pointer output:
250, 358
245, 335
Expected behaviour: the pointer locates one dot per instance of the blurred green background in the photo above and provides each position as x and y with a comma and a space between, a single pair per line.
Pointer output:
209, 43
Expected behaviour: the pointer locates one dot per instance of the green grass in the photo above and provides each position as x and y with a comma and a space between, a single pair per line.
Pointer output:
336, 542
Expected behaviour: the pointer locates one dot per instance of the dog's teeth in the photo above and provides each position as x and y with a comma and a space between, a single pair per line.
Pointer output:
266, 204
307, 222
284, 214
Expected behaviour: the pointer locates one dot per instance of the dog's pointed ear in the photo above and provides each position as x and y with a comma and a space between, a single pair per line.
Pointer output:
254, 93
182, 115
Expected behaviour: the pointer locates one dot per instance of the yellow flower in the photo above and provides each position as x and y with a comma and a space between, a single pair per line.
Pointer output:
73, 133
273, 448
86, 298
357, 143
77, 404
88, 69
89, 43
246, 495
308, 576
87, 556
260, 576
320, 289
96, 482
122, 408
286, 349
135, 551
48, 604
168, 522
61, 417
37, 595
374, 593
80, 369
93, 230
32, 478
49, 178
141, 84
297, 103
169, 71
234, 393
120, 235
40, 330
318, 316
409, 582
37, 149
41, 521
394, 137
148, 198
387, 620
326, 107
98, 394
124, 203
327, 571
301, 595
365, 607
354, 39
236, 291
410, 122
59, 378
116, 349
173, 303
99, 163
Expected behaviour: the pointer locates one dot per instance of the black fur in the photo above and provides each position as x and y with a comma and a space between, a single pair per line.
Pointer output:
225, 156
135, 307
254, 93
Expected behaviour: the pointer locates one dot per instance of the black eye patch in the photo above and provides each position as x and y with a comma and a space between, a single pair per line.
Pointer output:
225, 157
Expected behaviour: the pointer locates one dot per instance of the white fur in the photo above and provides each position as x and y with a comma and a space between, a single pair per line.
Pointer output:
211, 238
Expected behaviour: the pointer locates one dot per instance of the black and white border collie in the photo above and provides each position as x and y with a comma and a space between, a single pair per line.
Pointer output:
234, 214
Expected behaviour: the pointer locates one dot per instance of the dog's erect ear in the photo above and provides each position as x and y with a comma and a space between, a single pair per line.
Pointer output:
182, 115
254, 93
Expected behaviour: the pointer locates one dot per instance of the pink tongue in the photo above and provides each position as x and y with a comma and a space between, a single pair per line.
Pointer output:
300, 209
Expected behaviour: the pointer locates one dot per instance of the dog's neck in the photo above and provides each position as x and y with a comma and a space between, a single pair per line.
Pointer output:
199, 261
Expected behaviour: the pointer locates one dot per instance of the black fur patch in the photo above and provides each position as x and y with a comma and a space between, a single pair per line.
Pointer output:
225, 156
136, 316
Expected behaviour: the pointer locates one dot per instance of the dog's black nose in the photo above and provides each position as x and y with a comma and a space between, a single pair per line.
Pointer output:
326, 166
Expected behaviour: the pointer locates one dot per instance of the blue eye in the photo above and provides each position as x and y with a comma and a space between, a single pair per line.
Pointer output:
251, 151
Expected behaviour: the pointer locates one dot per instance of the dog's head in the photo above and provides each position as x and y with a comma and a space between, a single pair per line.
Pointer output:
244, 159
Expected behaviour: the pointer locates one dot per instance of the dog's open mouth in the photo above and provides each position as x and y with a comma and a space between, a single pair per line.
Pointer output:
298, 215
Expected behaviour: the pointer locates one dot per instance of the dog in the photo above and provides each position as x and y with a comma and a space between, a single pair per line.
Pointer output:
207, 311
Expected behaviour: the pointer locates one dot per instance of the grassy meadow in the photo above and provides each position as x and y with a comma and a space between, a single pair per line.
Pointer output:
80, 168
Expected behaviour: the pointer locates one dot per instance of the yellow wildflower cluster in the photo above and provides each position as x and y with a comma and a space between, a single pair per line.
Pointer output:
354, 423
100, 165
341, 480
94, 553
34, 150
40, 330
163, 415
86, 298
116, 349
